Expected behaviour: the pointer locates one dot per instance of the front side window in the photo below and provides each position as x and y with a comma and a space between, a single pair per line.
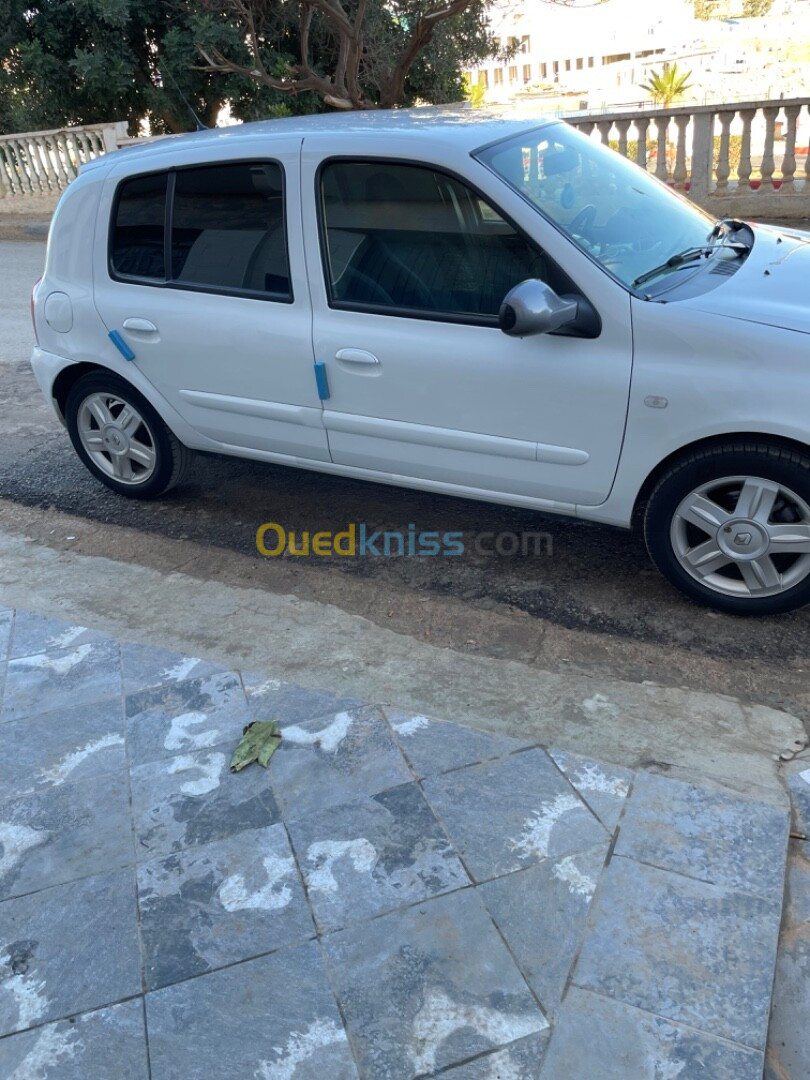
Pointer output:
624, 218
408, 239
226, 233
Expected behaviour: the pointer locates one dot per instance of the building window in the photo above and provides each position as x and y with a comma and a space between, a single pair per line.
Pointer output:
499, 76
590, 61
544, 71
527, 73
483, 79
567, 65
512, 75
580, 63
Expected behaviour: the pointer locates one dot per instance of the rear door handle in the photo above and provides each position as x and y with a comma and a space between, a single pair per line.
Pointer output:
143, 326
356, 356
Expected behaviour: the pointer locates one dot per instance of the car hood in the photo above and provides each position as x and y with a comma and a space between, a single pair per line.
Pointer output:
771, 287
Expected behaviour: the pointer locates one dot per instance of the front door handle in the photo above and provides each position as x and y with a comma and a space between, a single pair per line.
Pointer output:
140, 326
356, 356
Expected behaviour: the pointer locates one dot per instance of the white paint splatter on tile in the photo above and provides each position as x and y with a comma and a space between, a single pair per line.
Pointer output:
210, 767
27, 994
271, 895
59, 665
67, 637
805, 776
579, 884
538, 827
328, 738
58, 773
412, 725
600, 706
326, 853
181, 670
52, 1046
590, 777
300, 1046
265, 687
668, 1070
15, 840
439, 1017
179, 736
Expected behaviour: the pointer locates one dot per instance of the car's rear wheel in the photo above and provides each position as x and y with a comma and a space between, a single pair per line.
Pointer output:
121, 439
730, 526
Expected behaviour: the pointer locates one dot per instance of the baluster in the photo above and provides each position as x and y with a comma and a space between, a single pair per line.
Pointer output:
63, 159
44, 161
768, 164
604, 130
23, 173
6, 187
789, 160
723, 170
82, 147
35, 165
623, 126
642, 127
679, 173
744, 168
661, 166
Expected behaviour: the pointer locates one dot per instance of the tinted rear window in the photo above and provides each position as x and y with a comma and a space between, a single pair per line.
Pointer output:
228, 232
138, 248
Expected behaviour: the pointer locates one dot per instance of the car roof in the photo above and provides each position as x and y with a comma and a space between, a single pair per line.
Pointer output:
469, 128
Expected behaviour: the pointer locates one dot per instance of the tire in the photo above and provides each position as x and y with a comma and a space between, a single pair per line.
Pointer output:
121, 439
729, 526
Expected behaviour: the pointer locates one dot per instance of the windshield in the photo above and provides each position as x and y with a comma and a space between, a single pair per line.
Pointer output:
624, 218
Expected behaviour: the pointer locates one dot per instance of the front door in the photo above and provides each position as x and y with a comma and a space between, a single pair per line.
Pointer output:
212, 296
421, 382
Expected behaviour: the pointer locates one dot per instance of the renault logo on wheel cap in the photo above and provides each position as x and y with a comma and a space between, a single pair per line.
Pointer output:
743, 539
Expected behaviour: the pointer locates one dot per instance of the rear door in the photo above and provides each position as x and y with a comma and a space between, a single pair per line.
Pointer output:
204, 279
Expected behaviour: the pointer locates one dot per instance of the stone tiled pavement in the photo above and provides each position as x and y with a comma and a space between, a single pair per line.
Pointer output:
395, 897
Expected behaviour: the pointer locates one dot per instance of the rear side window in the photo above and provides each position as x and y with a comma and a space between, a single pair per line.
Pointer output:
139, 247
227, 231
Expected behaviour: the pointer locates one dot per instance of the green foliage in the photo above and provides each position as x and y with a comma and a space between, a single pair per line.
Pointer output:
734, 152
665, 87
475, 93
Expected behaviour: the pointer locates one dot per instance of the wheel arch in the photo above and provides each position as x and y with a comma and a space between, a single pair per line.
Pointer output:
741, 440
67, 379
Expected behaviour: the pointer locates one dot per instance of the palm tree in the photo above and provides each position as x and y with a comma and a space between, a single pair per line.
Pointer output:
665, 87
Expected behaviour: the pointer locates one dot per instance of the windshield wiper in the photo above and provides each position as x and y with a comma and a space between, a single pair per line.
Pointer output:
695, 253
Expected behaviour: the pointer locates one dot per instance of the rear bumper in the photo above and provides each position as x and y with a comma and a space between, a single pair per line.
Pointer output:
46, 366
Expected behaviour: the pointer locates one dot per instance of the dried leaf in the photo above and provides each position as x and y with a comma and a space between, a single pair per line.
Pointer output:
259, 742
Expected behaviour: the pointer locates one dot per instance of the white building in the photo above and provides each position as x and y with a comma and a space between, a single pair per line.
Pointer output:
584, 47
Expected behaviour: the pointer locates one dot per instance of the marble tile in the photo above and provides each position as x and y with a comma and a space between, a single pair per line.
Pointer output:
603, 787
220, 903
182, 717
799, 786
435, 746
44, 682
428, 987
706, 834
273, 1018
511, 813
40, 753
35, 634
6, 618
68, 949
81, 1048
688, 951
596, 1037
274, 699
541, 912
145, 666
373, 854
334, 759
64, 833
193, 799
523, 1060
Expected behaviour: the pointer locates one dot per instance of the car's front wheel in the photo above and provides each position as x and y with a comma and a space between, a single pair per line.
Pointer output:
121, 439
730, 526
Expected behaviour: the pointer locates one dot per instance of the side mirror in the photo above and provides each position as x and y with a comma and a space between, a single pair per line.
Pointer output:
534, 308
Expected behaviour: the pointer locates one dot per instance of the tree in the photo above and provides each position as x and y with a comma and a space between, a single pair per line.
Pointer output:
665, 87
353, 54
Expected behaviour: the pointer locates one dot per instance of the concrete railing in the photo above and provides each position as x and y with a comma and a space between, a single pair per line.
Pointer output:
745, 159
42, 162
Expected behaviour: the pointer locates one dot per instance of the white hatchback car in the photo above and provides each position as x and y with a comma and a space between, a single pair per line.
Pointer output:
501, 310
